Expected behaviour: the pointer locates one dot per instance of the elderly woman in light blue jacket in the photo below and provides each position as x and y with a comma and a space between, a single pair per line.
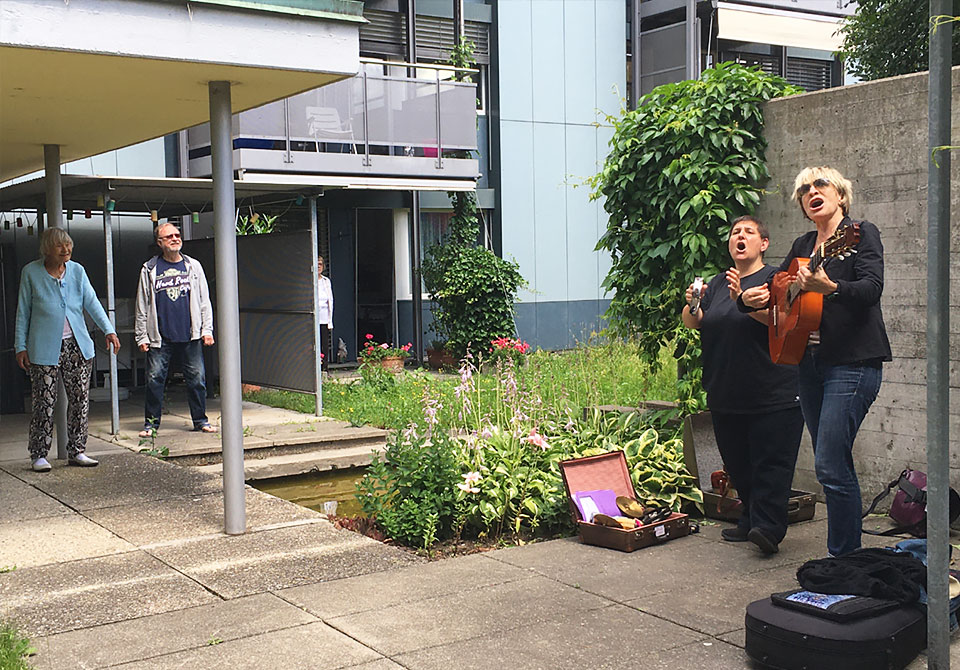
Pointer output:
51, 338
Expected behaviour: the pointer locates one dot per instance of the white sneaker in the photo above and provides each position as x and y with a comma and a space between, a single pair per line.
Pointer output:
41, 465
83, 461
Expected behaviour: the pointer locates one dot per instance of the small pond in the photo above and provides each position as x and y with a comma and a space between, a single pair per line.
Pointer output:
315, 488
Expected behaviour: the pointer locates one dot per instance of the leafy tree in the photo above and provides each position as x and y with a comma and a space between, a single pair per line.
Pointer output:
682, 166
885, 38
473, 289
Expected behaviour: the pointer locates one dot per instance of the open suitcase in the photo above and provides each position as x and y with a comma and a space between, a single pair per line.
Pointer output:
609, 471
788, 639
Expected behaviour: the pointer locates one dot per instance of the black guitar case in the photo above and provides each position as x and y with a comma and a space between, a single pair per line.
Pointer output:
791, 639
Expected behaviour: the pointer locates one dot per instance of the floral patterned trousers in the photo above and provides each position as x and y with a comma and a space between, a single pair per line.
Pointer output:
76, 380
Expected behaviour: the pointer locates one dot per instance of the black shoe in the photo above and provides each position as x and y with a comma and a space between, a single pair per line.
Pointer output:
763, 540
735, 534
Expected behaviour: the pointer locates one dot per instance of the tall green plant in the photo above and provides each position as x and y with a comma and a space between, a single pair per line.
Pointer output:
472, 288
682, 166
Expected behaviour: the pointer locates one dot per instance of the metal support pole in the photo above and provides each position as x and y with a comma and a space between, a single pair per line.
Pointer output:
416, 290
228, 310
458, 27
635, 53
693, 57
317, 333
439, 163
51, 170
111, 313
288, 158
411, 37
938, 332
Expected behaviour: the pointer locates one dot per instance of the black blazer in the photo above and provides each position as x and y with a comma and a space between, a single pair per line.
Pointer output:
851, 327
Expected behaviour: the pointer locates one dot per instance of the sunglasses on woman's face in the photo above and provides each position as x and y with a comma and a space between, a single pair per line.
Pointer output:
819, 183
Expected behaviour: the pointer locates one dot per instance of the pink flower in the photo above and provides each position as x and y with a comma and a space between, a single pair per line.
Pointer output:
384, 346
536, 439
471, 477
369, 336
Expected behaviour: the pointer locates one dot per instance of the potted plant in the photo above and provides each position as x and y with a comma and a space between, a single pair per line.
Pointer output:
438, 357
508, 351
385, 355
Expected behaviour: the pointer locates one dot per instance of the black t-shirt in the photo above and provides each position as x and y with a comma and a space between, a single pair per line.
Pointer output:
172, 287
738, 375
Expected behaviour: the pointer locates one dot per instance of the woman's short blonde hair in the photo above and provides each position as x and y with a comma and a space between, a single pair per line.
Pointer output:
809, 175
53, 238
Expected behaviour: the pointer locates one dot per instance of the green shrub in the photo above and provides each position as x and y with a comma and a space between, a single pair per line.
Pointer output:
682, 166
411, 490
14, 648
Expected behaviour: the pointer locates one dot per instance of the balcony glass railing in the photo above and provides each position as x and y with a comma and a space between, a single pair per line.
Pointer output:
373, 113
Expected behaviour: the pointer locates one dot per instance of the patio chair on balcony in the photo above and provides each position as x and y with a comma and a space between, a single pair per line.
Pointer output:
325, 126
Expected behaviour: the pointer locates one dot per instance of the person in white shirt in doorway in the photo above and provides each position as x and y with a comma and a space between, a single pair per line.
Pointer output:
325, 311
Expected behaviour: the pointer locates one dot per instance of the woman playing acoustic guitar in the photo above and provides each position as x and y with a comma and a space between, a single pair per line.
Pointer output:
753, 403
840, 371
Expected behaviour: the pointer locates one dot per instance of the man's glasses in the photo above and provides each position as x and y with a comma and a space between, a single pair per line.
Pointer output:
819, 183
171, 236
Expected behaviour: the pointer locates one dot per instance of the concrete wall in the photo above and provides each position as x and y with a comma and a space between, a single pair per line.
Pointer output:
876, 135
561, 65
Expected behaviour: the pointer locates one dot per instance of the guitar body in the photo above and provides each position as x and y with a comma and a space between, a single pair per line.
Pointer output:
790, 324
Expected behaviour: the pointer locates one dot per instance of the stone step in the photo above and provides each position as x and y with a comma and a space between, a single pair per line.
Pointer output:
288, 464
258, 447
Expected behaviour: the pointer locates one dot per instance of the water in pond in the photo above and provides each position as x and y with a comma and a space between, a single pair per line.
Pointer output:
315, 488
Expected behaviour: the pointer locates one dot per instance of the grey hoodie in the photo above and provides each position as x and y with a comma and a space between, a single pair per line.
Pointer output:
146, 329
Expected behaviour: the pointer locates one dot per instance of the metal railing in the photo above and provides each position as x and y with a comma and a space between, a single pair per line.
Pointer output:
374, 113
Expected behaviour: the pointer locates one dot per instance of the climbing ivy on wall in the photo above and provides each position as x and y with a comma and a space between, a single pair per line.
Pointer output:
682, 166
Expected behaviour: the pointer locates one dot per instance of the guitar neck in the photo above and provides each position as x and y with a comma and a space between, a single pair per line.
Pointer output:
815, 262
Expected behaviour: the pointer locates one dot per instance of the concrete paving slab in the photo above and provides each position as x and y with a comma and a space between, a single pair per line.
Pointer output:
377, 591
167, 633
58, 598
122, 479
56, 540
156, 521
715, 607
20, 502
705, 654
382, 664
280, 558
313, 646
613, 637
488, 610
738, 638
622, 577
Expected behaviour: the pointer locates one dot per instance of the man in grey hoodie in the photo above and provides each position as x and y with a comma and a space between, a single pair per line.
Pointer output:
173, 318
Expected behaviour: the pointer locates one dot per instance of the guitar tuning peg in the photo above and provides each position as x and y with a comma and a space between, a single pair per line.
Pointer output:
853, 251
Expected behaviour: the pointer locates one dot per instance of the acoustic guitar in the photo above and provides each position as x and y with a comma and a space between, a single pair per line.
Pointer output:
794, 314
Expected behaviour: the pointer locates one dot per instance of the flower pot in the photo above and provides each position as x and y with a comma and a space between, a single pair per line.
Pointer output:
392, 363
438, 359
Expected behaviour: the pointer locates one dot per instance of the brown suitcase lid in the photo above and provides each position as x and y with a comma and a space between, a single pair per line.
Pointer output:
590, 473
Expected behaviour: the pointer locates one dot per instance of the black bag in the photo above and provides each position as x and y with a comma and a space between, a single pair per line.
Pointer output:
787, 639
909, 507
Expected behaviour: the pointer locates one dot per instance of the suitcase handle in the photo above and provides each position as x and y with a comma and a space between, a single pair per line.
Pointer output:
793, 505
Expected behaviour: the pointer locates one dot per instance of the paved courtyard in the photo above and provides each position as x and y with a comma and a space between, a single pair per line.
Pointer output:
126, 566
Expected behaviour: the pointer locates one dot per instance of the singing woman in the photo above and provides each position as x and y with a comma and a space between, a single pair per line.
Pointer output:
752, 401
841, 370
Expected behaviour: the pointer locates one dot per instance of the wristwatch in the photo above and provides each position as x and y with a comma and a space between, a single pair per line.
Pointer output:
836, 291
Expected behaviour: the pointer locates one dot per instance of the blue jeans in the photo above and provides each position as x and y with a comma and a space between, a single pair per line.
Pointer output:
835, 399
158, 365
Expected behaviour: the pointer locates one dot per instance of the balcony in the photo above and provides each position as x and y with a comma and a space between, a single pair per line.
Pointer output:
375, 124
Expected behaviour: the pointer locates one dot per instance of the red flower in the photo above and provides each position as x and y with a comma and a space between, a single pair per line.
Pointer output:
369, 336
